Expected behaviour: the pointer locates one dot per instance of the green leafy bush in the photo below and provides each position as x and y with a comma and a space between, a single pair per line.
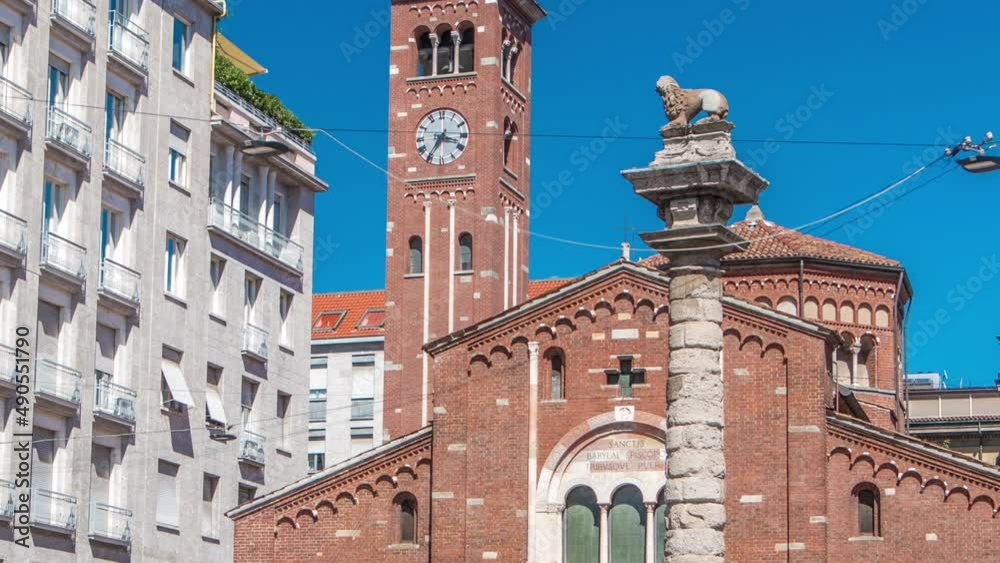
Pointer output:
230, 76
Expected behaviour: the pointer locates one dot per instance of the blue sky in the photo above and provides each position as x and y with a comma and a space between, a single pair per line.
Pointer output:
885, 71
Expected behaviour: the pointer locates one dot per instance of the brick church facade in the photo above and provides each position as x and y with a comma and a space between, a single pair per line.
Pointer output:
535, 428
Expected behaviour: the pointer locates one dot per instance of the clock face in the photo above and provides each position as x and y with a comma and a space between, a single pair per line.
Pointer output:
442, 136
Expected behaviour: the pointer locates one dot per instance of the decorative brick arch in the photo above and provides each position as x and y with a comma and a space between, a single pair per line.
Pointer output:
549, 489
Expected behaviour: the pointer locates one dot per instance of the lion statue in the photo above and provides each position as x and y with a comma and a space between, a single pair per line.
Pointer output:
684, 105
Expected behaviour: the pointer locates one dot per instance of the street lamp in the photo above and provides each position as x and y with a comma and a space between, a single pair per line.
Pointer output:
263, 147
979, 163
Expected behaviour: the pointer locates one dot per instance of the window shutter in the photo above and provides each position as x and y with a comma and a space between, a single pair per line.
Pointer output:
166, 497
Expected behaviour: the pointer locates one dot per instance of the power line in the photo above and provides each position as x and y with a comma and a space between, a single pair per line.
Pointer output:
576, 136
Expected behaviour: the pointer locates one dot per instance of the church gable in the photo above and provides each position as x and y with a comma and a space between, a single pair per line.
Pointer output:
377, 503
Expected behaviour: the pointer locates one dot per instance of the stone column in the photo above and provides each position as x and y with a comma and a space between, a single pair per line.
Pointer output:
694, 182
533, 349
435, 41
505, 71
604, 557
516, 266
650, 532
506, 257
855, 350
451, 265
456, 40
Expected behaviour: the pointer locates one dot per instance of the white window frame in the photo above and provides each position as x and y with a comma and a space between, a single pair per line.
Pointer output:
173, 271
177, 155
185, 54
217, 277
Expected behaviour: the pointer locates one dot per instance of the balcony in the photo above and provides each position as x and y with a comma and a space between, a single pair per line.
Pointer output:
15, 106
6, 500
119, 284
252, 448
53, 511
60, 385
70, 134
125, 165
114, 402
79, 17
111, 524
256, 236
64, 258
8, 366
13, 237
255, 341
128, 43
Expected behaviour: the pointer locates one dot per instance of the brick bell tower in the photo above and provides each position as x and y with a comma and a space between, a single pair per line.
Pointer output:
459, 190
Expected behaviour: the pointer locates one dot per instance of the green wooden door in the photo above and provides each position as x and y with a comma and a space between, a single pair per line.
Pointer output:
582, 527
627, 526
660, 521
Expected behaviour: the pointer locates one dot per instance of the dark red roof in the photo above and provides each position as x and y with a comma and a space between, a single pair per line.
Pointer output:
769, 241
356, 314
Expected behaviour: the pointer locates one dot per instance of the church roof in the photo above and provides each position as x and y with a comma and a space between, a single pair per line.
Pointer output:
361, 314
769, 241
571, 286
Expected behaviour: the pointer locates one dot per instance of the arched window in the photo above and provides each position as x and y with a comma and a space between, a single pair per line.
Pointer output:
868, 509
829, 310
416, 255
581, 526
847, 312
446, 53
406, 514
865, 315
557, 375
882, 316
425, 54
866, 361
788, 305
510, 140
627, 525
465, 252
467, 50
811, 308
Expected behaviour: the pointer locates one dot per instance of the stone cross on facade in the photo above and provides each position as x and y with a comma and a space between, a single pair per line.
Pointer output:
694, 182
626, 376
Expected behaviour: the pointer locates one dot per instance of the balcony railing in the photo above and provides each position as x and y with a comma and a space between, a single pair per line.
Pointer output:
78, 13
120, 281
15, 101
6, 499
58, 381
129, 40
13, 233
256, 235
114, 400
125, 162
252, 447
65, 256
268, 121
53, 510
255, 340
8, 363
111, 522
69, 131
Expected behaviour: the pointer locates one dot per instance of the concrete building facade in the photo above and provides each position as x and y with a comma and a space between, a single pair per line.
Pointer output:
164, 277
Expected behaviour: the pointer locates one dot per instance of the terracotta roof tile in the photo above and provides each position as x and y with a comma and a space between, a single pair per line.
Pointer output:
770, 240
340, 315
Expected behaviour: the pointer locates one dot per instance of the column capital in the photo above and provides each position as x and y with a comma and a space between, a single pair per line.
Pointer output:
452, 203
435, 39
508, 209
605, 506
650, 507
533, 348
456, 36
427, 204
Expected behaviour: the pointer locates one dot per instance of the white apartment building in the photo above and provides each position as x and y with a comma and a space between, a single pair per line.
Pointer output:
164, 269
346, 376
